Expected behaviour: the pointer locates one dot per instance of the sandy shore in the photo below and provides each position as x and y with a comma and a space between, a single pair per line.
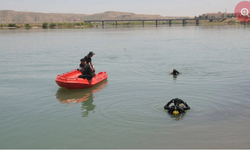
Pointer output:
9, 27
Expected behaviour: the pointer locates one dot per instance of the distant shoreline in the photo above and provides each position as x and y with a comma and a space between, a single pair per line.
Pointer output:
229, 21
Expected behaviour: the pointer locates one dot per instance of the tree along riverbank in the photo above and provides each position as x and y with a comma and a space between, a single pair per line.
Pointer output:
47, 25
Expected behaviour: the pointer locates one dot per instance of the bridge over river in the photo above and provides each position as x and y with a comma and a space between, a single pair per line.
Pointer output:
157, 20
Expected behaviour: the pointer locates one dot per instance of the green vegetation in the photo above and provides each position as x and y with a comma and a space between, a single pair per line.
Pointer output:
62, 24
27, 25
45, 25
11, 25
3, 25
84, 24
70, 24
52, 25
78, 24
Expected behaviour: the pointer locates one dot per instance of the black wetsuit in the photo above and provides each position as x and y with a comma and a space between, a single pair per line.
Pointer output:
175, 72
88, 59
86, 71
176, 106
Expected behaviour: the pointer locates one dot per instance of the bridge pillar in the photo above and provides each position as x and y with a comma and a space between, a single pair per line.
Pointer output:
170, 22
156, 23
184, 22
102, 24
116, 23
197, 22
211, 20
143, 23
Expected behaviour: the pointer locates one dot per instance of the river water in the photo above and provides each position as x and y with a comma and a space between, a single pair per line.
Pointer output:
126, 111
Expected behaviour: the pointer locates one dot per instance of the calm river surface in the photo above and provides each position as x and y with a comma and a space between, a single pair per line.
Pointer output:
126, 111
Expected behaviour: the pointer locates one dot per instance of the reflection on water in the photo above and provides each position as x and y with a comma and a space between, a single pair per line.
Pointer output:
87, 106
174, 77
84, 96
177, 117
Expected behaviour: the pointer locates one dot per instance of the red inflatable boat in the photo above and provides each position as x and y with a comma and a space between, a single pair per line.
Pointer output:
70, 80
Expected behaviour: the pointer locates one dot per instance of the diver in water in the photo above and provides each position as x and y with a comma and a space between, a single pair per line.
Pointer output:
179, 106
175, 72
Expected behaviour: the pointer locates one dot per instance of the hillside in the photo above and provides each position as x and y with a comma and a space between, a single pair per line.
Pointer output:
120, 16
18, 16
9, 15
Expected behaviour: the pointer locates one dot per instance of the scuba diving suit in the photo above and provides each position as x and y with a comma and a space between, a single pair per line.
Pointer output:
177, 106
175, 72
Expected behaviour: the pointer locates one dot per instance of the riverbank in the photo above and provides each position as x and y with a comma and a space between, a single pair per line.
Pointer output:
46, 25
229, 21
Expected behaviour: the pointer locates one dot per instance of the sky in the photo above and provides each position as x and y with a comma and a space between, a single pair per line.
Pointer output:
152, 7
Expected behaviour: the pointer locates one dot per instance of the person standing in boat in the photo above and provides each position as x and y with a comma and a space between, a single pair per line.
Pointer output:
89, 61
87, 72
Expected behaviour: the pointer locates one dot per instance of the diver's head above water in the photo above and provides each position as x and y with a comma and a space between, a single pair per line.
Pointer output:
177, 101
177, 106
174, 72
